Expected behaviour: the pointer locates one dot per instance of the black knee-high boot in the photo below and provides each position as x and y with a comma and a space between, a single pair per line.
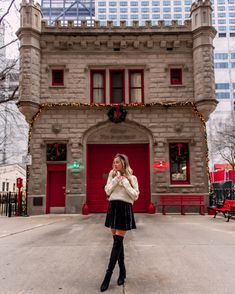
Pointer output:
117, 245
122, 273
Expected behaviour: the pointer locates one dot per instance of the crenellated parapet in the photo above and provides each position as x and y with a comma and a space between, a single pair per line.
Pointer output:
96, 27
110, 37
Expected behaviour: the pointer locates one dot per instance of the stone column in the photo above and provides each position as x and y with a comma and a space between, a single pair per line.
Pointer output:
30, 55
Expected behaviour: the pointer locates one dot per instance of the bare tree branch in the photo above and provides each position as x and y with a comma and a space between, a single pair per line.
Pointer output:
6, 45
8, 10
223, 140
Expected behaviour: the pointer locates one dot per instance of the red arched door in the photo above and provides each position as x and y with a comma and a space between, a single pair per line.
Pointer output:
99, 163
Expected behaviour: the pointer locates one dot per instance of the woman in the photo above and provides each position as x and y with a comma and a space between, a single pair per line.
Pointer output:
122, 190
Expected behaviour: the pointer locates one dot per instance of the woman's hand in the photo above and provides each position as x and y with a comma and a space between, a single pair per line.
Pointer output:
119, 175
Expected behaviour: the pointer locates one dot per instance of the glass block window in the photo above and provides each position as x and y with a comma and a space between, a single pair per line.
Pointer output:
134, 3
156, 3
145, 10
102, 3
166, 3
220, 15
102, 10
113, 10
222, 86
145, 16
177, 9
134, 10
166, 16
123, 10
134, 16
102, 16
56, 152
221, 55
221, 64
222, 21
112, 16
223, 95
145, 3
221, 8
179, 163
155, 9
123, 3
166, 9
155, 16
177, 16
123, 16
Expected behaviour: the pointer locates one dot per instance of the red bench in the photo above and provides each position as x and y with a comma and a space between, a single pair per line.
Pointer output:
228, 209
182, 201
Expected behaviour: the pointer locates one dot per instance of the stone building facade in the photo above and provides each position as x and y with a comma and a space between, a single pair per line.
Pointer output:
160, 77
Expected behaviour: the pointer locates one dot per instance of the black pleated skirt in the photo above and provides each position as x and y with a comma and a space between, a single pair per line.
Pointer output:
120, 216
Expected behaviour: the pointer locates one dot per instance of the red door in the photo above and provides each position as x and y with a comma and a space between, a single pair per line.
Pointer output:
56, 185
99, 163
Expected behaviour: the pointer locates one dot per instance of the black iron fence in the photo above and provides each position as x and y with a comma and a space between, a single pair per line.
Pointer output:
13, 204
220, 192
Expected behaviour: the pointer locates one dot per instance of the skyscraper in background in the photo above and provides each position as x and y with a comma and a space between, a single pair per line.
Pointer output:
65, 10
143, 10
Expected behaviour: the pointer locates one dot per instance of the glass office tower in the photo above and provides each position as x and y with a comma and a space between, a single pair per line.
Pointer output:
65, 10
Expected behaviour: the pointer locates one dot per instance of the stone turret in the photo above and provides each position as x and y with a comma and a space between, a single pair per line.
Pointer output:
30, 55
203, 56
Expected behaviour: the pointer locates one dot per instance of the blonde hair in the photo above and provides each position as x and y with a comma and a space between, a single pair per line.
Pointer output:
126, 166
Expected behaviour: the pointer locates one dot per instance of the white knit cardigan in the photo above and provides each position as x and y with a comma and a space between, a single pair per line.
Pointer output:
117, 189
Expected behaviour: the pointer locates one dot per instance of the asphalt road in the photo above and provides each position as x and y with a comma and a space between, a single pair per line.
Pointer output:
68, 254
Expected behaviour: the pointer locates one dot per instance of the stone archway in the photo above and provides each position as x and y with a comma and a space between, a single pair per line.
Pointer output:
101, 144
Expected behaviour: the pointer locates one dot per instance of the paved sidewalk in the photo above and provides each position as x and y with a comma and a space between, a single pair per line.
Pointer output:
68, 254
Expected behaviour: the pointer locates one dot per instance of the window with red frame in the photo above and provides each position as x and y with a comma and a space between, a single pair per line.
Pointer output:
136, 86
57, 77
117, 89
179, 163
176, 76
98, 86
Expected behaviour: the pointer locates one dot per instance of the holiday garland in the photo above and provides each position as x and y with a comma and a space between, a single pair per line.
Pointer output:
109, 107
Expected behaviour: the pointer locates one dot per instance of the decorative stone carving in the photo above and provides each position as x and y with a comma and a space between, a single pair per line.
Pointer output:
56, 128
179, 127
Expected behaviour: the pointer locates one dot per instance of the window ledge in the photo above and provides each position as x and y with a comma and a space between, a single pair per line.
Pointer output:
181, 186
177, 86
56, 87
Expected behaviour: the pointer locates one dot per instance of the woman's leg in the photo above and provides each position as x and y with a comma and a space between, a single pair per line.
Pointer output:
122, 272
118, 237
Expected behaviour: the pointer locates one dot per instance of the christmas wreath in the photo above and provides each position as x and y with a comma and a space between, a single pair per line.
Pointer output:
56, 152
117, 114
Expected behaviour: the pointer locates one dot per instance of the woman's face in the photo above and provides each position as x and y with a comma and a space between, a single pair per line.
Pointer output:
117, 164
